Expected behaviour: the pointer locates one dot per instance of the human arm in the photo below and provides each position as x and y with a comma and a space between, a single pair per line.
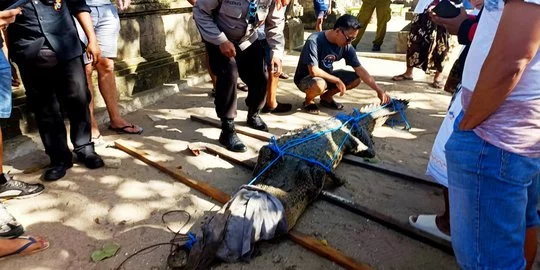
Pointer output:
92, 49
370, 81
124, 4
8, 16
202, 14
504, 67
464, 26
273, 28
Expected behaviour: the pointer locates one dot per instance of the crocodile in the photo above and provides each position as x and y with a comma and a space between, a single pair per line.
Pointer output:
290, 173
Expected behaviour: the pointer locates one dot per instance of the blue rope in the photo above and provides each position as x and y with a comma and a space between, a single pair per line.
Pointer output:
192, 239
401, 110
355, 117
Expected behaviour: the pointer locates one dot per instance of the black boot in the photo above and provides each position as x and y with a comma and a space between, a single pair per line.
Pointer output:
88, 156
255, 121
229, 138
57, 170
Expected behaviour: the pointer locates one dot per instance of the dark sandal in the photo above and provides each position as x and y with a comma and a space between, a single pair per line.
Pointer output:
332, 104
280, 108
401, 77
437, 84
312, 108
31, 241
123, 130
242, 87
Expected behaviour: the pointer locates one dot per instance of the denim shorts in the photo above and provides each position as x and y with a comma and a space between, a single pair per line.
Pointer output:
5, 87
107, 27
347, 77
493, 198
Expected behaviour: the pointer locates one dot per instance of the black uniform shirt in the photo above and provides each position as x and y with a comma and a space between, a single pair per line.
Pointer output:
40, 25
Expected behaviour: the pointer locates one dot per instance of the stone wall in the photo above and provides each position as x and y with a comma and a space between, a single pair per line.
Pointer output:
339, 7
159, 43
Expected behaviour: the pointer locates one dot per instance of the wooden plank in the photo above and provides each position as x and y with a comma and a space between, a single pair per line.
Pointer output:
257, 134
383, 168
306, 241
227, 155
202, 187
326, 252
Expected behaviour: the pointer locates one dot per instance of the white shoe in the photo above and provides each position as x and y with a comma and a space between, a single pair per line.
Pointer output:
426, 223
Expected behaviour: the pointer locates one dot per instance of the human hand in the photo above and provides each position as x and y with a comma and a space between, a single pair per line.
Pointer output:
227, 49
93, 52
282, 3
277, 66
385, 98
341, 87
15, 80
123, 4
8, 16
451, 24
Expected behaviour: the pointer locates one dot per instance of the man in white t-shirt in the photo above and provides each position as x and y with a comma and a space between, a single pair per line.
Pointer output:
493, 155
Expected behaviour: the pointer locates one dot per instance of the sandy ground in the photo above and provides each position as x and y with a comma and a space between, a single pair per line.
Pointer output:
124, 202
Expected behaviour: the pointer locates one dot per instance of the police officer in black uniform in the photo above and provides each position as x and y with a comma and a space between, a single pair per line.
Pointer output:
43, 41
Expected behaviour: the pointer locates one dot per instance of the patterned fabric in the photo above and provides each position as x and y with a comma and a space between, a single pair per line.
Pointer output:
456, 73
424, 49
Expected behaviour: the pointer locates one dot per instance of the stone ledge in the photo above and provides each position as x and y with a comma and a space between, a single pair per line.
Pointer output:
385, 56
30, 141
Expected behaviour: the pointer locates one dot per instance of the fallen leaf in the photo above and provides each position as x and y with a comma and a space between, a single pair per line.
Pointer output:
107, 251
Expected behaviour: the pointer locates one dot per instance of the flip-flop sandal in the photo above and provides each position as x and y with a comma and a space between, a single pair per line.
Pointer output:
32, 241
312, 108
437, 84
332, 105
401, 77
123, 130
242, 87
427, 224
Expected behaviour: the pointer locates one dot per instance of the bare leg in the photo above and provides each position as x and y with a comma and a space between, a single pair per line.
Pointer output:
107, 87
443, 221
530, 247
318, 24
437, 76
316, 89
271, 90
95, 130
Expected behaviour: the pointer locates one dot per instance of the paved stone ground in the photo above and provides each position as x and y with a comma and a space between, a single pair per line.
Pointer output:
125, 201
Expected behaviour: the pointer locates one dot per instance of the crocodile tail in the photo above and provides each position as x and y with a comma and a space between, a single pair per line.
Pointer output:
378, 115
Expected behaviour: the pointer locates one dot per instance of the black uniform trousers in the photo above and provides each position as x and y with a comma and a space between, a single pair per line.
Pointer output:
51, 85
250, 66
